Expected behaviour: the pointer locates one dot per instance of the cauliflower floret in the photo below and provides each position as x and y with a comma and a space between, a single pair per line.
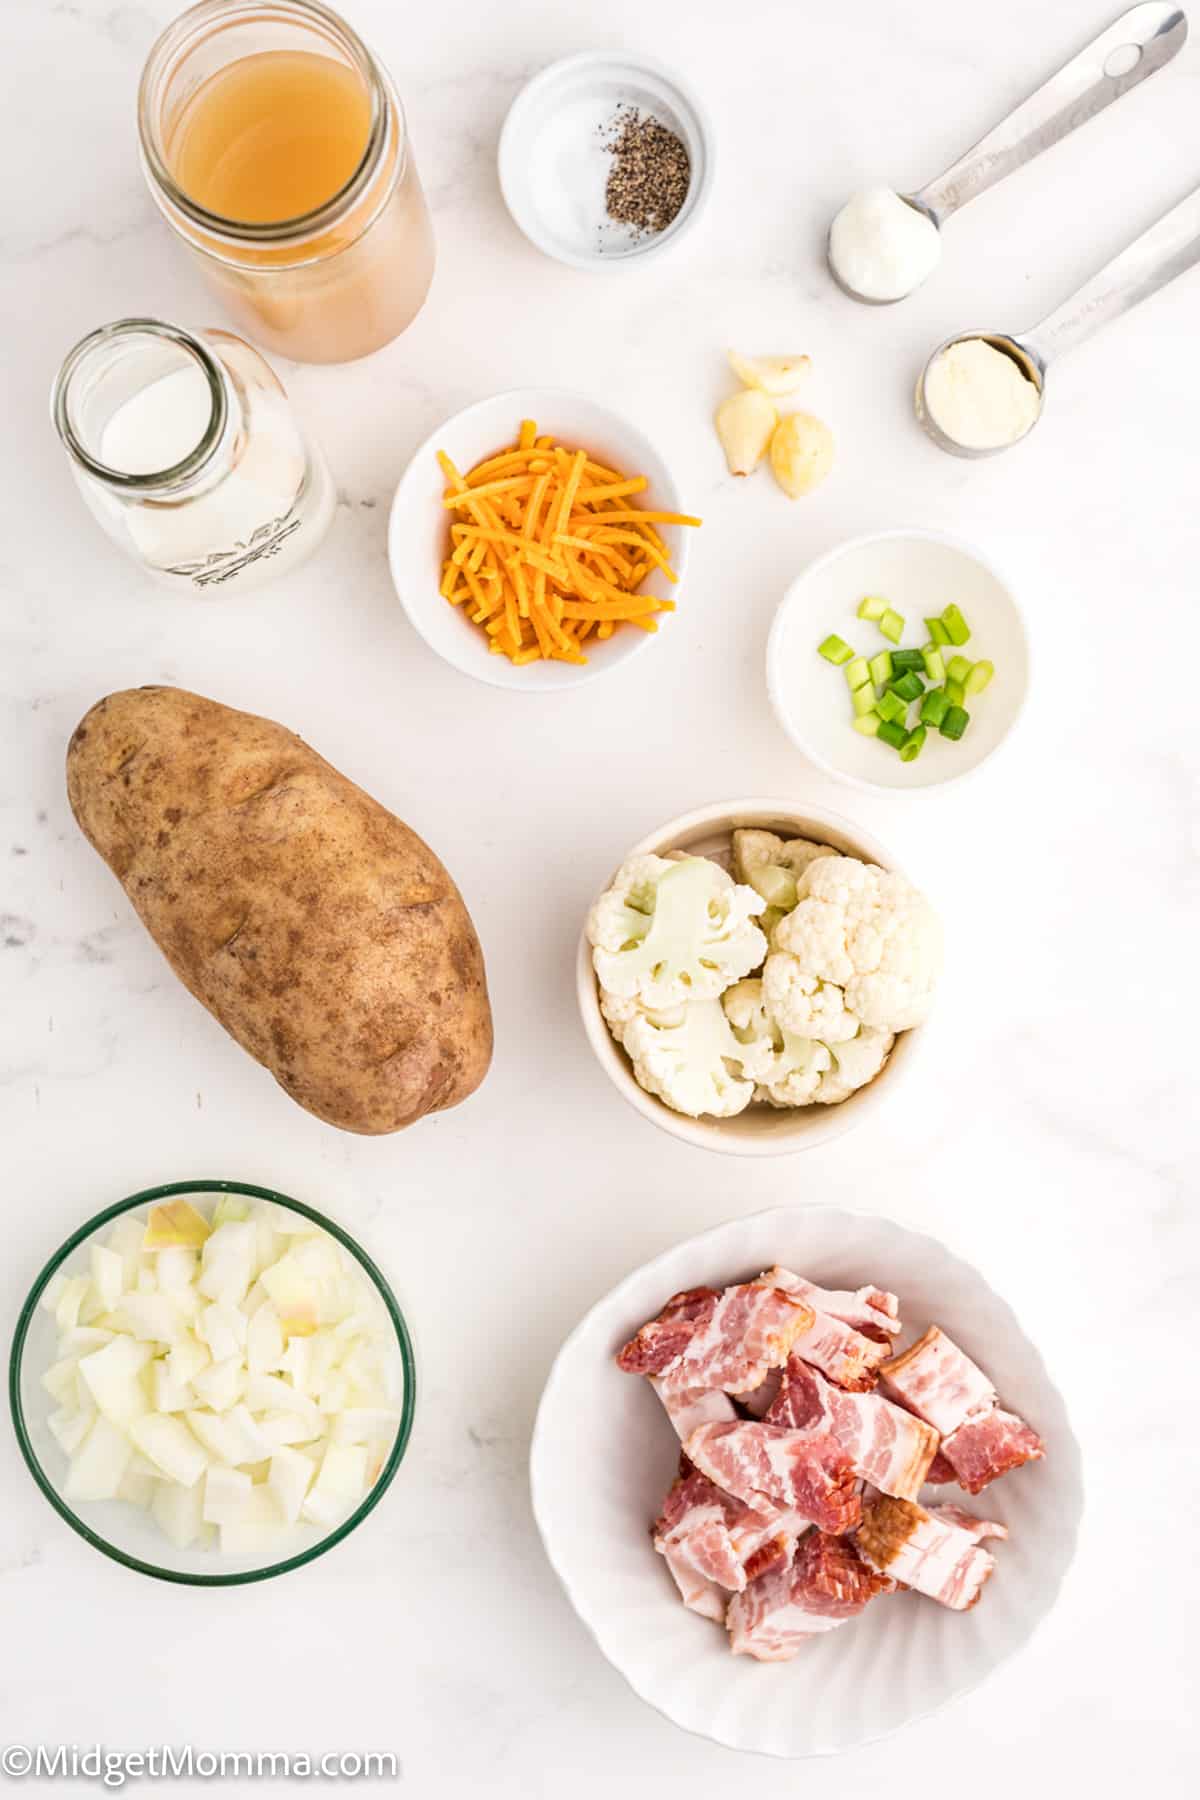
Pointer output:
854, 1065
691, 1065
786, 1067
773, 866
752, 1026
666, 932
801, 1069
866, 934
620, 1013
802, 1002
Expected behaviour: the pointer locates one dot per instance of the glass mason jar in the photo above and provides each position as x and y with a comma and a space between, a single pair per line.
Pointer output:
185, 449
336, 282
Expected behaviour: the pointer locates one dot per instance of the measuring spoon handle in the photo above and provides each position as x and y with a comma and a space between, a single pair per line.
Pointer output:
1079, 90
1168, 249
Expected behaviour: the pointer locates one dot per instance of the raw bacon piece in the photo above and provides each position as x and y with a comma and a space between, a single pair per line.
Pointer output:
688, 1411
929, 1551
763, 1623
980, 1441
800, 1402
659, 1343
940, 1472
778, 1551
887, 1446
806, 1472
827, 1583
710, 1539
965, 1521
702, 1339
847, 1356
937, 1381
758, 1401
698, 1594
989, 1446
869, 1309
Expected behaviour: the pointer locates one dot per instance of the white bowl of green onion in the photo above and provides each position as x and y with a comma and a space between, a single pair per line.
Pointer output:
898, 660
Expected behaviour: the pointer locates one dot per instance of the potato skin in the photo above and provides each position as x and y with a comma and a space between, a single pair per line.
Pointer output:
320, 931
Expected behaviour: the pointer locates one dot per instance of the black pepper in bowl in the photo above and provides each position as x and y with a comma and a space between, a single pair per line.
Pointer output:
650, 174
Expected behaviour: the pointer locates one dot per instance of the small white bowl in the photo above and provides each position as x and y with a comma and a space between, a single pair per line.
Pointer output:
760, 1130
919, 573
552, 164
603, 1456
418, 530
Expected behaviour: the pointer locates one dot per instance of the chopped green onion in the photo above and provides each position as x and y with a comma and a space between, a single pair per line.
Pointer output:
909, 686
955, 624
934, 707
883, 687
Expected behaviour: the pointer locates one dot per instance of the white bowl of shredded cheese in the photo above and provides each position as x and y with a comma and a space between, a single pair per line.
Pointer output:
418, 529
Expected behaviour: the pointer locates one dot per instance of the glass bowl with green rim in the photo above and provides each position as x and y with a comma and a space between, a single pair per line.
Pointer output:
128, 1533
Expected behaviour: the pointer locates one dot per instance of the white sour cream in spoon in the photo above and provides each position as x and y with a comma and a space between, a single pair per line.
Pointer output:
880, 247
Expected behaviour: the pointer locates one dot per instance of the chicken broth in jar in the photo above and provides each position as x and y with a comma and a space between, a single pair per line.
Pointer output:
275, 146
270, 137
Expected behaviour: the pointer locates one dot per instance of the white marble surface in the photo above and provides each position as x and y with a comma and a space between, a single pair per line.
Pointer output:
1047, 1134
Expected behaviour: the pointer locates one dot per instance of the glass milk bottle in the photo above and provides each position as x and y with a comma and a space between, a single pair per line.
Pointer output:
275, 147
186, 450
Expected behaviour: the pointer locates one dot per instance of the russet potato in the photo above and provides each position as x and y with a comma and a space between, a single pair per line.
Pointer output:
320, 931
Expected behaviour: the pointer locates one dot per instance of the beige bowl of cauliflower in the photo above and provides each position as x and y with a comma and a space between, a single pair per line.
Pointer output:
753, 978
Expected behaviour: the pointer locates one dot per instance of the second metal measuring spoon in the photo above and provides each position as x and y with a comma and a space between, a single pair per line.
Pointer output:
1168, 249
1133, 47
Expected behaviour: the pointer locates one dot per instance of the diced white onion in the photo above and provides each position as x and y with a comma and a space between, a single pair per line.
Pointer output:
235, 1376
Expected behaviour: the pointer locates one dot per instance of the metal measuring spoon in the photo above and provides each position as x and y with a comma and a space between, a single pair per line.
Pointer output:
1168, 249
1133, 47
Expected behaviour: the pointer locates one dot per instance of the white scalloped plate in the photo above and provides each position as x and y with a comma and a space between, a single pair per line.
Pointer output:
603, 1456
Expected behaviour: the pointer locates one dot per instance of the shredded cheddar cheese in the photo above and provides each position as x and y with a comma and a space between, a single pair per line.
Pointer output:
544, 549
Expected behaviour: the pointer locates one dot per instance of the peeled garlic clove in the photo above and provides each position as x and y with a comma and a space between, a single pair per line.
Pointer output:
744, 425
801, 453
771, 374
